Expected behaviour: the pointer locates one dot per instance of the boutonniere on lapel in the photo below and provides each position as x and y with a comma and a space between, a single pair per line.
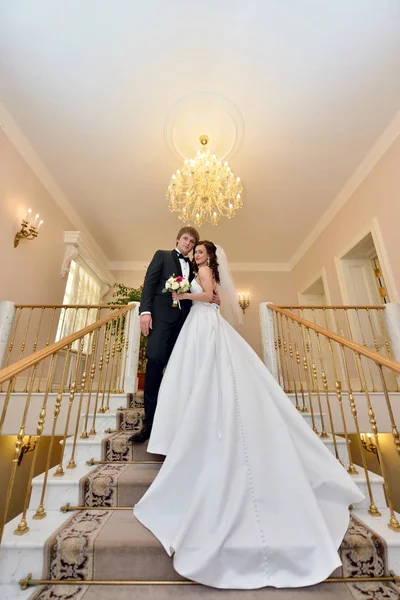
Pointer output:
179, 285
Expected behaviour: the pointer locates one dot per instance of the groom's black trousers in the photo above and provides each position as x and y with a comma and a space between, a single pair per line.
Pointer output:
160, 344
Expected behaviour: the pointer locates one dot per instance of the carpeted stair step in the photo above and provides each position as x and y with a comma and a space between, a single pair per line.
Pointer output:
116, 485
116, 447
111, 545
129, 419
136, 400
107, 545
323, 591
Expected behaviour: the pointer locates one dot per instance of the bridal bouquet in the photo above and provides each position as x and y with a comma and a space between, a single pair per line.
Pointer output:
178, 284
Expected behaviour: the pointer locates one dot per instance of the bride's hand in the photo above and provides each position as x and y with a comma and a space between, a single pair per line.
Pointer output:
176, 297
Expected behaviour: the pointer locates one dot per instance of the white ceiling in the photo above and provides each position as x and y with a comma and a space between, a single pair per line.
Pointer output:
91, 84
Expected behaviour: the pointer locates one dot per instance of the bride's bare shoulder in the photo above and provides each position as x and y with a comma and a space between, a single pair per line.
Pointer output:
205, 270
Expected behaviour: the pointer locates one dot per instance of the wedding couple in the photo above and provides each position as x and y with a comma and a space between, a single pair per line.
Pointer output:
248, 495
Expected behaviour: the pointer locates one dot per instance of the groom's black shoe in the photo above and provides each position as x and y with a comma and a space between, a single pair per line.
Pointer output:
141, 436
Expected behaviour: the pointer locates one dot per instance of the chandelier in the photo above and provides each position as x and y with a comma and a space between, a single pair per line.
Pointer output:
205, 189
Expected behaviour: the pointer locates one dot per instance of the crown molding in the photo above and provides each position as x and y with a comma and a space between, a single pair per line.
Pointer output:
377, 151
89, 254
247, 267
25, 149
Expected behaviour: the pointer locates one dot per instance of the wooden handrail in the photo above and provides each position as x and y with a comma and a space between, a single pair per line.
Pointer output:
27, 362
68, 306
335, 307
371, 354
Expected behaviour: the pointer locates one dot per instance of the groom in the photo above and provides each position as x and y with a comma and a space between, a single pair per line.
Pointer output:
160, 321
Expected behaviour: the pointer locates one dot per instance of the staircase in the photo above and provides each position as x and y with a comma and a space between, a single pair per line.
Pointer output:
95, 537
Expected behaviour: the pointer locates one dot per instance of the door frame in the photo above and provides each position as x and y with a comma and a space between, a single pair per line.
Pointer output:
374, 230
320, 274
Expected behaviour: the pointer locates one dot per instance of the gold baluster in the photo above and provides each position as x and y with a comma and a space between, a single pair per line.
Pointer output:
72, 463
118, 347
393, 523
351, 468
316, 383
305, 366
99, 385
330, 346
60, 470
384, 333
22, 350
18, 451
22, 526
282, 345
35, 342
114, 355
102, 408
113, 333
296, 348
46, 345
85, 434
387, 345
40, 512
126, 349
12, 340
325, 386
372, 330
10, 387
372, 506
395, 432
277, 347
364, 343
291, 363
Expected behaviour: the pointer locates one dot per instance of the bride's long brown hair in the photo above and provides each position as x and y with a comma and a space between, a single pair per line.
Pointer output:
212, 258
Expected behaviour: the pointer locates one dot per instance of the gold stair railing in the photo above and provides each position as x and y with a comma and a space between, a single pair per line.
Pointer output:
362, 324
306, 353
83, 380
36, 326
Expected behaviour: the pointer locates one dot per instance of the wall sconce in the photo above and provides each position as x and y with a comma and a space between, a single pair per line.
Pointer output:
244, 301
28, 231
367, 443
28, 446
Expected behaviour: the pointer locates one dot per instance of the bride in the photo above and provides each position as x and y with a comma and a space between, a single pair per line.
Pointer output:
248, 495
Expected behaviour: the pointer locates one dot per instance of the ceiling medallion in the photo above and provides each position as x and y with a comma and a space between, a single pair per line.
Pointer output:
205, 189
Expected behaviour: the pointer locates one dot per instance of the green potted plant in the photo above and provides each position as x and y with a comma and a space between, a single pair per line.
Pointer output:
123, 295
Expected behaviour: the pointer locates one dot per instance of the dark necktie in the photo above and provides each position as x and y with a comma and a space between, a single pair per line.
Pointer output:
185, 258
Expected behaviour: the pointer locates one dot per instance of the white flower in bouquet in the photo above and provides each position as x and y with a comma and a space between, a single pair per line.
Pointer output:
179, 284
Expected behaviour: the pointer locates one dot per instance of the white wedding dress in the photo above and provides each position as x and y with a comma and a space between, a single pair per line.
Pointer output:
248, 495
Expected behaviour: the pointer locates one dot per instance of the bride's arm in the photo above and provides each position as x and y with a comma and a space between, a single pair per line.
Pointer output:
207, 283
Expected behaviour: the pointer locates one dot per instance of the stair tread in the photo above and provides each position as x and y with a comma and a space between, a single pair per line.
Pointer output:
322, 591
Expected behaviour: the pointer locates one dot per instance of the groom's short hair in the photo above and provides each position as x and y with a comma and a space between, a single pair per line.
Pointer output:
191, 231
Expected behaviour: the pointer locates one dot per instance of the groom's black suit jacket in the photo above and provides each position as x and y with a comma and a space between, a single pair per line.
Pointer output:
164, 264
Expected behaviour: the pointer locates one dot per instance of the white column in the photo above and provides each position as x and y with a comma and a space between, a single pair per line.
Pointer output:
392, 321
267, 339
7, 313
132, 358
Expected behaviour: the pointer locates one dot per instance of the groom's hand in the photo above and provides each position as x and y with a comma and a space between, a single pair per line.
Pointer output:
216, 299
146, 324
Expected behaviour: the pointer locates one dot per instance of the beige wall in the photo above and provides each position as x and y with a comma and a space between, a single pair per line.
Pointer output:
7, 450
30, 273
378, 196
263, 286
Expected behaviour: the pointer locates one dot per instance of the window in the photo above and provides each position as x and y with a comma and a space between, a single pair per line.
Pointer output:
83, 287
